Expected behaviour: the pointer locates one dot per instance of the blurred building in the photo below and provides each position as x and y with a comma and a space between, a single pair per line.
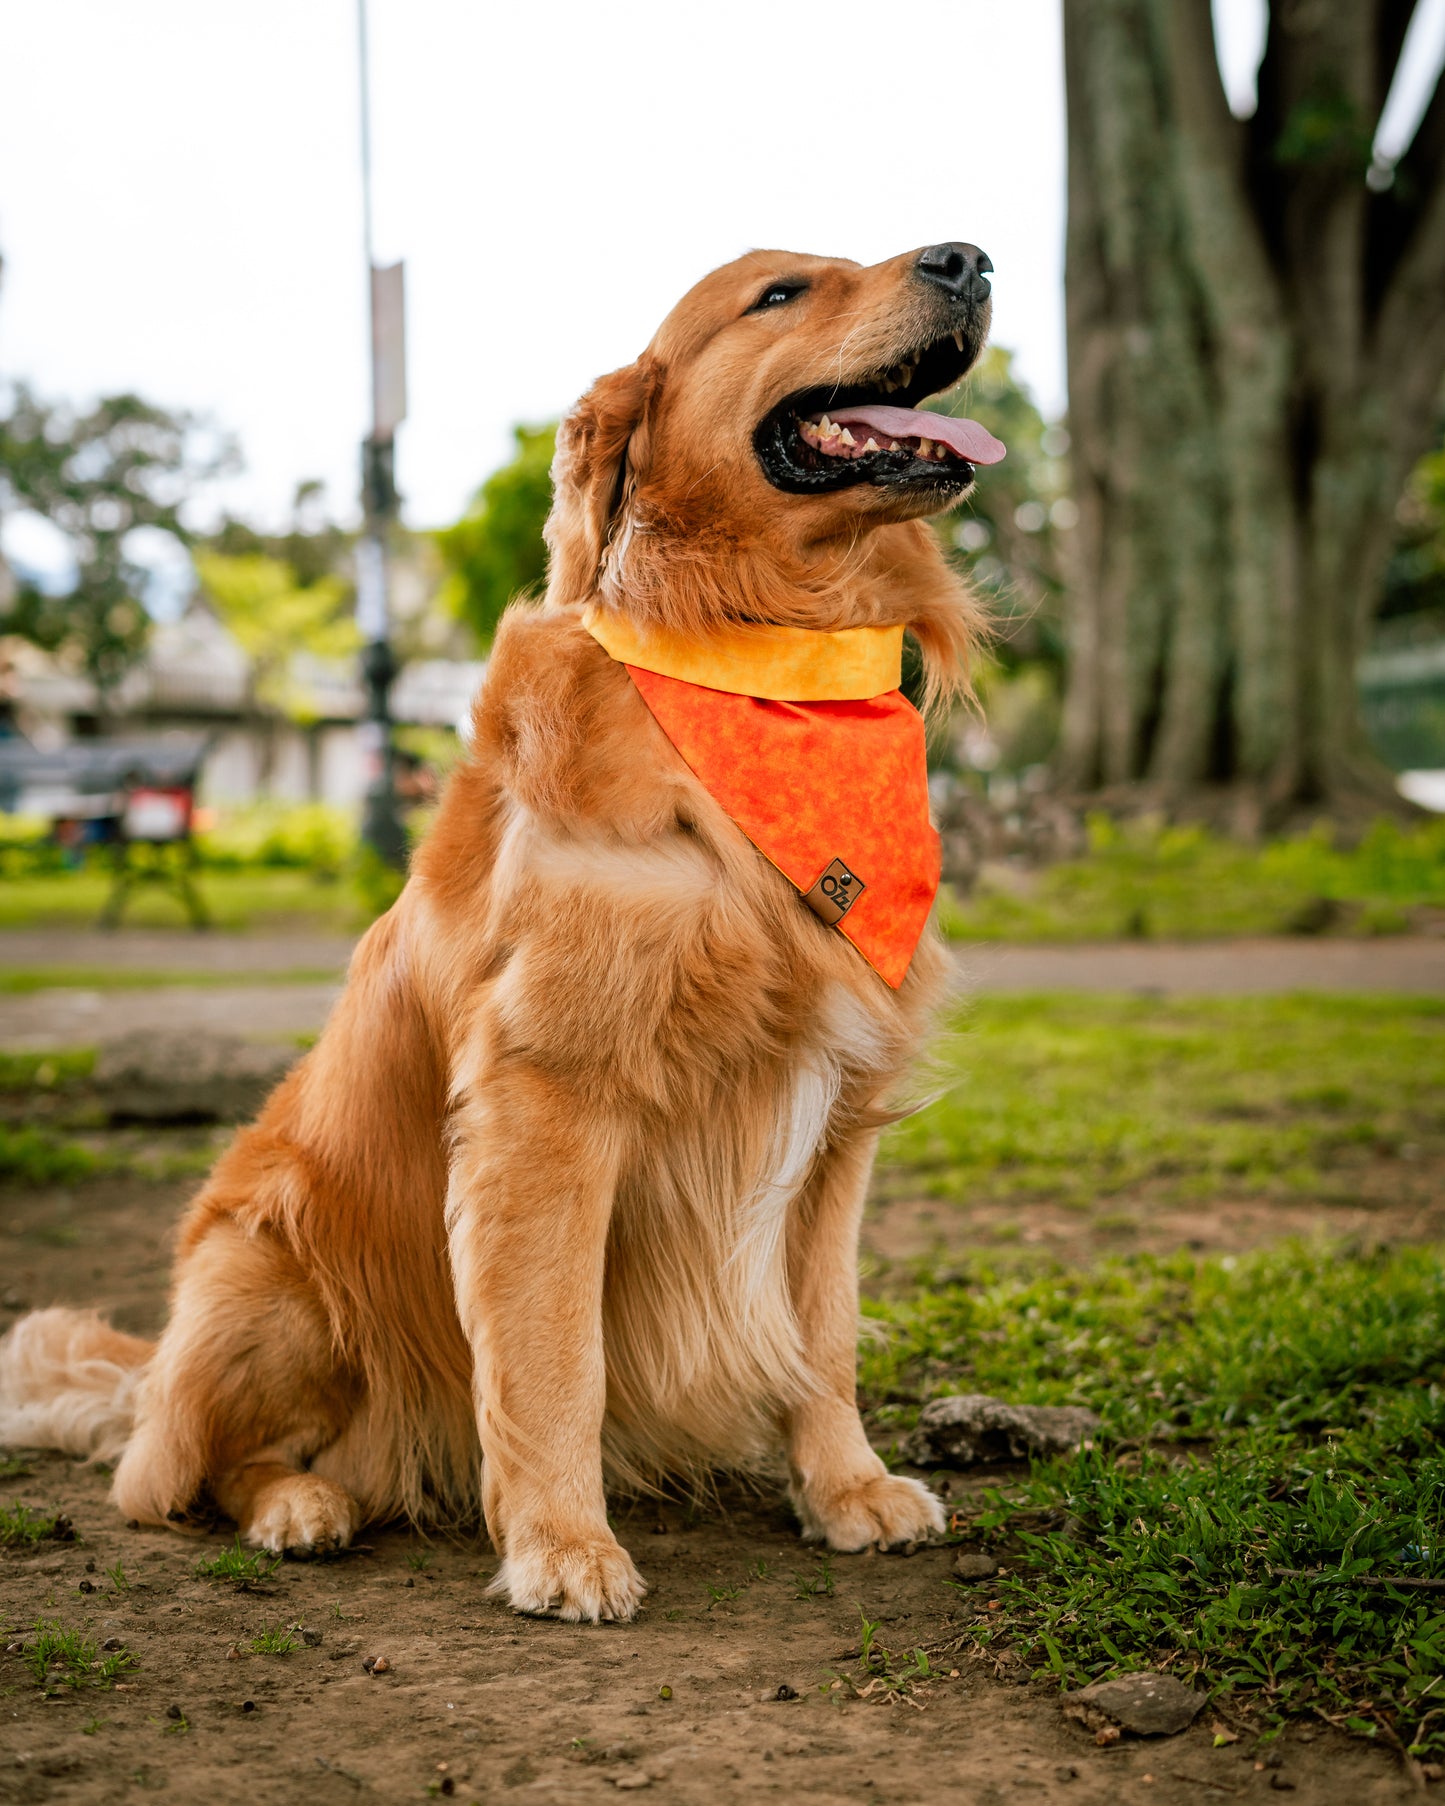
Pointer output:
195, 677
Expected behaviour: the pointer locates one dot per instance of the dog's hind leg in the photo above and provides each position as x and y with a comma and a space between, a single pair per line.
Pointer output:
244, 1390
843, 1493
528, 1211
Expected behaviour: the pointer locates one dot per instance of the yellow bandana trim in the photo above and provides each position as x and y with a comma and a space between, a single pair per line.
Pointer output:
777, 664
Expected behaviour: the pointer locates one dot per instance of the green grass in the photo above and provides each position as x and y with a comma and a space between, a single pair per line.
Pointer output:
22, 1528
235, 899
275, 1641
21, 981
239, 1564
1183, 883
1283, 1410
45, 1071
68, 1658
34, 1157
1077, 1098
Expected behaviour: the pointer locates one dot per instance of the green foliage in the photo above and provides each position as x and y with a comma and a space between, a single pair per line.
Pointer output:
1008, 535
313, 546
1415, 577
1077, 1097
495, 551
1185, 883
1319, 1378
97, 477
33, 1157
68, 1658
238, 1564
310, 837
274, 617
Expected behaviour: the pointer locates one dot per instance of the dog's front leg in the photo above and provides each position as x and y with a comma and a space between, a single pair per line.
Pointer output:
528, 1208
843, 1493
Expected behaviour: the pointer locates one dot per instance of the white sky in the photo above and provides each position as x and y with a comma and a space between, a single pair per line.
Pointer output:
180, 211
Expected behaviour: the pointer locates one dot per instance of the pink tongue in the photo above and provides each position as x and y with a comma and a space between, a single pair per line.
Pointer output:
966, 437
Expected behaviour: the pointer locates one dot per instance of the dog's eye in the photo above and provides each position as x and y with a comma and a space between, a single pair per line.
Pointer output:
776, 294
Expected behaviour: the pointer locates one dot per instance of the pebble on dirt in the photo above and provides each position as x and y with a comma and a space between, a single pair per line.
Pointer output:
971, 1427
1148, 1705
970, 1564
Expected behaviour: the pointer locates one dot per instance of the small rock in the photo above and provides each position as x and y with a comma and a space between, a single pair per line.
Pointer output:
311, 1638
631, 1777
1281, 1783
1066, 1772
111, 1643
233, 1654
409, 1581
970, 1564
380, 1666
971, 1427
19, 1648
248, 1705
1148, 1705
174, 1712
90, 1567
786, 1692
447, 1785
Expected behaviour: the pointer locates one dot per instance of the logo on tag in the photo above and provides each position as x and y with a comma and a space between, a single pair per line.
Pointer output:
835, 893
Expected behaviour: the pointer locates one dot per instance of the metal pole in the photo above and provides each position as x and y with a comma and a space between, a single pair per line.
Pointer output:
381, 826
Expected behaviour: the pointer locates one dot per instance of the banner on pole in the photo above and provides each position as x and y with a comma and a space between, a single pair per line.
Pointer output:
388, 349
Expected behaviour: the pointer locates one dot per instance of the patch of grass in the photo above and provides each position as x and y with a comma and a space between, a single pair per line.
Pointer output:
238, 1564
25, 979
44, 1071
22, 1528
33, 1157
817, 1585
418, 1560
15, 1467
68, 1658
1315, 1380
1077, 1097
235, 900
1184, 883
276, 1641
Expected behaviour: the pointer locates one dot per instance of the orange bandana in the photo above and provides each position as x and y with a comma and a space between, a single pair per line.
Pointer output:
807, 743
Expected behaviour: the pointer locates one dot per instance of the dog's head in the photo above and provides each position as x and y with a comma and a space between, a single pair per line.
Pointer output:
776, 415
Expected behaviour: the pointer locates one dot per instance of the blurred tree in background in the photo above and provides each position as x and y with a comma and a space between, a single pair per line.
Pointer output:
1415, 576
98, 477
1256, 341
495, 551
274, 616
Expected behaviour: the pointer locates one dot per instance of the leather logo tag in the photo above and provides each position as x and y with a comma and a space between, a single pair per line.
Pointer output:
835, 893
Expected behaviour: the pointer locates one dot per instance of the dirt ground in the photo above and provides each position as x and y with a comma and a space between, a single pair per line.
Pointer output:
481, 1704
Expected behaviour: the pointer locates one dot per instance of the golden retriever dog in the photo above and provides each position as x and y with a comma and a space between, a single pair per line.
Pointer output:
568, 1192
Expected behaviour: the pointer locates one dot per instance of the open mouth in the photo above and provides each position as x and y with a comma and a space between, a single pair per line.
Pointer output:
868, 431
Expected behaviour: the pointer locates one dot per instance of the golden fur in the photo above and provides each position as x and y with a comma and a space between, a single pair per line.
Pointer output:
570, 1186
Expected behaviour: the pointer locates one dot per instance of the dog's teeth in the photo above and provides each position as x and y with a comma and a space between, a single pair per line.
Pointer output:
925, 448
872, 444
893, 445
958, 340
847, 437
905, 377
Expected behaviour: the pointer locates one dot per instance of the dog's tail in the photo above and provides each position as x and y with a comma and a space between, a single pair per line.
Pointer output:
68, 1381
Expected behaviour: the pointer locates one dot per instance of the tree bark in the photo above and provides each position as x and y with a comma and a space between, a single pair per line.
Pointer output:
1256, 345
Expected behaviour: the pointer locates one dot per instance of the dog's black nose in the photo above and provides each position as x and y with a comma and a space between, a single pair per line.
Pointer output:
958, 269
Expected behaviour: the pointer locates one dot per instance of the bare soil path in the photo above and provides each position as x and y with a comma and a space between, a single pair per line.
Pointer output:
286, 984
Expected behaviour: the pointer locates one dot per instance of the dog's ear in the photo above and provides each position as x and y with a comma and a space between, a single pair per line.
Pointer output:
602, 450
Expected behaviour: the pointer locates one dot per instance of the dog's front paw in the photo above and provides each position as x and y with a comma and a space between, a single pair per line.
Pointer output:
588, 1578
881, 1510
300, 1516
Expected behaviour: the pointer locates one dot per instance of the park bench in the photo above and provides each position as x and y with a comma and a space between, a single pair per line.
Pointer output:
135, 798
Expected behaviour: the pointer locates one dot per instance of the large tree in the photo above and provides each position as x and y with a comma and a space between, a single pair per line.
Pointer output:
1256, 321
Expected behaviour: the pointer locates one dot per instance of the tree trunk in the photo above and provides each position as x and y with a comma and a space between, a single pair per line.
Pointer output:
1256, 343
